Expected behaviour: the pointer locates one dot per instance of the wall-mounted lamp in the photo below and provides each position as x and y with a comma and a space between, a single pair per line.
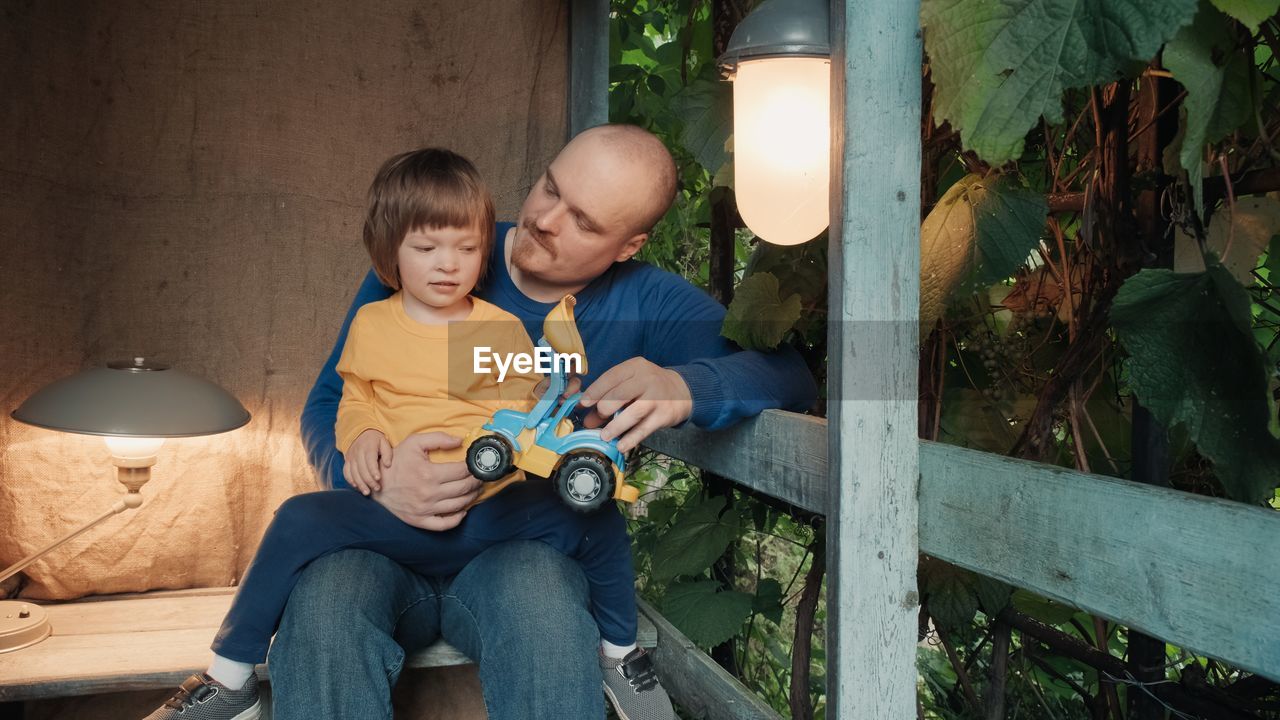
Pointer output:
779, 59
133, 405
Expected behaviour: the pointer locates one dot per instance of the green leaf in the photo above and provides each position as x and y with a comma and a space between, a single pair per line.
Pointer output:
999, 66
1203, 58
993, 595
768, 599
1010, 220
661, 510
621, 73
949, 592
697, 538
981, 231
1043, 609
1273, 260
758, 318
1193, 361
705, 110
1249, 12
970, 420
656, 84
1114, 422
705, 614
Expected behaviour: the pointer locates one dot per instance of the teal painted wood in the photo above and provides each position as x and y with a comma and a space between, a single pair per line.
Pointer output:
1209, 571
698, 684
872, 342
588, 64
1201, 573
781, 454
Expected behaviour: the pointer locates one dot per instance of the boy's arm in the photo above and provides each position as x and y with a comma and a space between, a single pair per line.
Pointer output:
319, 414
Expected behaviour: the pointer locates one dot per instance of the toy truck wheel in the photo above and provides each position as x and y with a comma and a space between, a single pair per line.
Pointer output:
489, 458
584, 482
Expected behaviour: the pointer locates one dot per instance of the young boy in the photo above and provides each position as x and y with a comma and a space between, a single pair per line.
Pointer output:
406, 369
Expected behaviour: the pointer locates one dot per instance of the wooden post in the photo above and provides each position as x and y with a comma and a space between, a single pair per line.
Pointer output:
588, 64
872, 601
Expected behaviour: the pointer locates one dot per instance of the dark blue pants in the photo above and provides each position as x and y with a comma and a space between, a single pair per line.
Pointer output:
308, 527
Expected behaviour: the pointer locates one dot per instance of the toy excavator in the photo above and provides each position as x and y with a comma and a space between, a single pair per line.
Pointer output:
585, 470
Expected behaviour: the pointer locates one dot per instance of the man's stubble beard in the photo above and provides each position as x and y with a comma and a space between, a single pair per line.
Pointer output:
525, 247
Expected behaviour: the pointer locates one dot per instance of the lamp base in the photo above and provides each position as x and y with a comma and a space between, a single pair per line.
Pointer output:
22, 624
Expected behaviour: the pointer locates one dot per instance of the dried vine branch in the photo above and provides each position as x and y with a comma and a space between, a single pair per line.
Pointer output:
802, 648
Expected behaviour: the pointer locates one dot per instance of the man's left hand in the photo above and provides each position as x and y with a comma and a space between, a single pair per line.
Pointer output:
650, 398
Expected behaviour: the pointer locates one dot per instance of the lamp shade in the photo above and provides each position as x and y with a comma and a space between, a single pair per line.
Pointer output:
134, 398
786, 28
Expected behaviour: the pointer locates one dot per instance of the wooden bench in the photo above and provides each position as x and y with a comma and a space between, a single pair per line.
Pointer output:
148, 641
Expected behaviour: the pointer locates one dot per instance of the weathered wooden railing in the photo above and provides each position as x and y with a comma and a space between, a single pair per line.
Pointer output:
1198, 572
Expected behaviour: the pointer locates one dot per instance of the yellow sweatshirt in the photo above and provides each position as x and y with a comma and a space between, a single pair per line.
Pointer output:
402, 377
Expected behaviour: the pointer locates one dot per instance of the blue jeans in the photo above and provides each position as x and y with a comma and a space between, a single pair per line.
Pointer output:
312, 525
519, 609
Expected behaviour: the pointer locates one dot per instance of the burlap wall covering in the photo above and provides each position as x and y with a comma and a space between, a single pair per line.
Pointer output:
185, 180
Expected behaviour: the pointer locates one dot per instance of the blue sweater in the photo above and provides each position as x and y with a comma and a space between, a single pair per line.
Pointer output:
632, 310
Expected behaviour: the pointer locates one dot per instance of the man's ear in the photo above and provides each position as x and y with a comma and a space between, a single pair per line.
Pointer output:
631, 247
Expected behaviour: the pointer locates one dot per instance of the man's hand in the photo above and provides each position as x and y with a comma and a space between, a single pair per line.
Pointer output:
650, 398
425, 494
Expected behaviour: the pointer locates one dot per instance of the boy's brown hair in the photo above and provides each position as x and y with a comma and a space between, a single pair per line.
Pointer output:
427, 188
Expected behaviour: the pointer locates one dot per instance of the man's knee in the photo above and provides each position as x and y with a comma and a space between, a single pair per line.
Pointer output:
524, 595
532, 571
343, 596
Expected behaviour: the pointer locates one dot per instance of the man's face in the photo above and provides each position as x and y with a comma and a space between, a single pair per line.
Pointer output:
580, 217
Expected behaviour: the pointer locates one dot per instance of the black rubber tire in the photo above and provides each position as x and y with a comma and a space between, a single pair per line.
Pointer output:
480, 459
582, 466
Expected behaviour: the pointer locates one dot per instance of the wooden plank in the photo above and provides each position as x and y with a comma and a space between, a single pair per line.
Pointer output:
1208, 570
696, 682
143, 642
872, 342
140, 614
588, 64
781, 454
82, 664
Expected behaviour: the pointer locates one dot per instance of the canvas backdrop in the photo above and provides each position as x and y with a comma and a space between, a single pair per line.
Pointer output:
185, 181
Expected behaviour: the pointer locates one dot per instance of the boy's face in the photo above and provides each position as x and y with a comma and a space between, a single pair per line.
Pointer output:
440, 266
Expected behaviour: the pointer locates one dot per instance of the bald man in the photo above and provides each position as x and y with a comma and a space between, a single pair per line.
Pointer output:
521, 609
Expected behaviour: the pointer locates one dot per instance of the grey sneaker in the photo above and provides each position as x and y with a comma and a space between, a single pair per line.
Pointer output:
202, 698
631, 684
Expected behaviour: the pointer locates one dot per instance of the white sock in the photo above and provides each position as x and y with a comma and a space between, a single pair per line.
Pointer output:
616, 652
229, 672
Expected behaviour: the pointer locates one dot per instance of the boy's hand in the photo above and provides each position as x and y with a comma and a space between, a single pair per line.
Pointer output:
365, 459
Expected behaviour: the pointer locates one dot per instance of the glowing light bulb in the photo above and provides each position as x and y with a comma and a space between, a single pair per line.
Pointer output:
781, 145
133, 448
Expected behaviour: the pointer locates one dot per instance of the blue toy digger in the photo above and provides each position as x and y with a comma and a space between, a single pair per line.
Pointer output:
585, 470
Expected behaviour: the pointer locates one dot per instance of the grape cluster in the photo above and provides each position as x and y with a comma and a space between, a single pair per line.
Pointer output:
1002, 356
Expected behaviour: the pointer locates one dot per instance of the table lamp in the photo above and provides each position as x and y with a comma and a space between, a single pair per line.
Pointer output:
133, 405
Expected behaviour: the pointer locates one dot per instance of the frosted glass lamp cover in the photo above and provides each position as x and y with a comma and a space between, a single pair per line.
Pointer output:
782, 141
